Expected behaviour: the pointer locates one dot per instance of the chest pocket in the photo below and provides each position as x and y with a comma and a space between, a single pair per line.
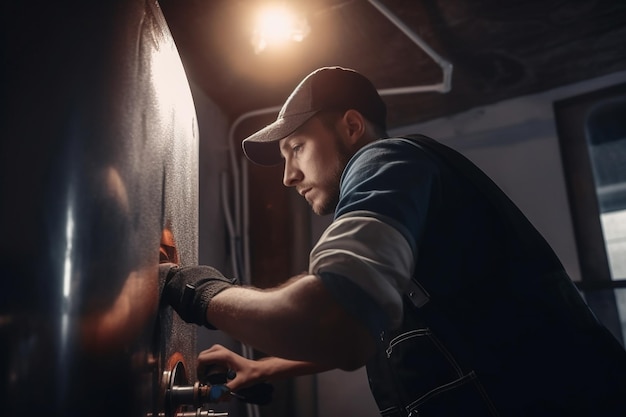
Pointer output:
414, 374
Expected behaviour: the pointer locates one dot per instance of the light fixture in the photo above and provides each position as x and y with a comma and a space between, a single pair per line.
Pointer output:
277, 25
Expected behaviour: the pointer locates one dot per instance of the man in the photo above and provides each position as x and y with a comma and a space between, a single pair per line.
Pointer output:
428, 275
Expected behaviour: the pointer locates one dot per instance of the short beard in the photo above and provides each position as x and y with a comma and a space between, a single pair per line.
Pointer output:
329, 206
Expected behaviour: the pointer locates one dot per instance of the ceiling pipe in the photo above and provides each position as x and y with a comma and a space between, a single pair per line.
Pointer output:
445, 86
234, 221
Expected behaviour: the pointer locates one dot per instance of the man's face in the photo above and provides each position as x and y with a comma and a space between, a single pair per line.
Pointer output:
315, 157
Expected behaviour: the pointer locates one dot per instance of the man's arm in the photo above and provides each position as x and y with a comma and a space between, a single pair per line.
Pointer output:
299, 321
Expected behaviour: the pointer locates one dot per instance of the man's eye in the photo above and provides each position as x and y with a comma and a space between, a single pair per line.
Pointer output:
296, 148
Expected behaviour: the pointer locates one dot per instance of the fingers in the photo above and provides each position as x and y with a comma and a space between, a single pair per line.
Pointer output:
215, 355
218, 359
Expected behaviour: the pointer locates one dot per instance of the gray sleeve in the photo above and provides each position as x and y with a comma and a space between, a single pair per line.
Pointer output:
370, 254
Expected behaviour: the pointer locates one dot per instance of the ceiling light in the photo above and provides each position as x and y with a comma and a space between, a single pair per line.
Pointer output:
276, 25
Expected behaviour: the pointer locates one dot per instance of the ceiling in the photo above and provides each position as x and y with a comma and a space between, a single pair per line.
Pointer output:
498, 49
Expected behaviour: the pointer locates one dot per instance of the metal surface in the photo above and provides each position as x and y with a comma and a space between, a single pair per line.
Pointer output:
98, 157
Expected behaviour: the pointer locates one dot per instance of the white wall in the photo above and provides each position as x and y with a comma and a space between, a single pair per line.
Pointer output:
515, 142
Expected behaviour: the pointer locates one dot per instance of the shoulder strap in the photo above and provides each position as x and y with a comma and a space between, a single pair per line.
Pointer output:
531, 240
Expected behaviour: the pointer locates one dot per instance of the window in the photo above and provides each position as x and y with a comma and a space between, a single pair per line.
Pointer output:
606, 140
592, 136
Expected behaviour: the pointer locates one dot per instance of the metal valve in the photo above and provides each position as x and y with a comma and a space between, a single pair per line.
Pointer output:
182, 399
180, 396
196, 395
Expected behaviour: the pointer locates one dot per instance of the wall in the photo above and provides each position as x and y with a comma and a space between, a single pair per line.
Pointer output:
515, 142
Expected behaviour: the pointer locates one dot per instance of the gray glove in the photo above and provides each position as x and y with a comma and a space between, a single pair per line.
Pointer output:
189, 289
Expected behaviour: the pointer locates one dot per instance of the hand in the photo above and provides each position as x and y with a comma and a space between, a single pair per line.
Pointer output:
244, 371
238, 375
190, 289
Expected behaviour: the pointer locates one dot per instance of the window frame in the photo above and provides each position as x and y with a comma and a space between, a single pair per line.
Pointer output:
599, 289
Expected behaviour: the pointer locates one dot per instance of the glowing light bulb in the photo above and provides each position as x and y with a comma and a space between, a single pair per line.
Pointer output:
276, 26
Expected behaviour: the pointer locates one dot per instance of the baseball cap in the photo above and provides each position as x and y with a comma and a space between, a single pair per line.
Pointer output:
327, 88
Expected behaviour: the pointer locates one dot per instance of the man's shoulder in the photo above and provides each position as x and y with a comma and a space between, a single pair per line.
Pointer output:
399, 156
393, 142
417, 139
397, 148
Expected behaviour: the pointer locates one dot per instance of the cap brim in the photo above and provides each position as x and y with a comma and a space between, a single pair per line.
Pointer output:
262, 147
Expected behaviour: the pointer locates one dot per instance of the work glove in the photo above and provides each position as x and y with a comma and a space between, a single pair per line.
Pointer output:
189, 290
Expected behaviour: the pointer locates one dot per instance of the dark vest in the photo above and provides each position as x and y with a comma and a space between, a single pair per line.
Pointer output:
519, 343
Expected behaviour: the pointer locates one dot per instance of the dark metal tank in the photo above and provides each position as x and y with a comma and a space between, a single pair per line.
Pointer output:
98, 165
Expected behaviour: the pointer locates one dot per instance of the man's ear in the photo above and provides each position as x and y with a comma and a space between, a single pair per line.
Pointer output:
355, 125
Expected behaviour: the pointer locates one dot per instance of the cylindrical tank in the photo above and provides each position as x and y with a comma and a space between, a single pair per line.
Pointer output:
98, 164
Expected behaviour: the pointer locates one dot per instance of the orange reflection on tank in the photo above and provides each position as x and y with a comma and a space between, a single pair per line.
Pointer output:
167, 249
120, 320
136, 304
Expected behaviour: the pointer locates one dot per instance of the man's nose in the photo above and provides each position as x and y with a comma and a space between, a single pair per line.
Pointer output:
291, 175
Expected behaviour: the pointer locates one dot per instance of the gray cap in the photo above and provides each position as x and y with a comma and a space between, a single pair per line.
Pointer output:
327, 88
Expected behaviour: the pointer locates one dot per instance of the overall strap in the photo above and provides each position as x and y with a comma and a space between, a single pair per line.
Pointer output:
531, 241
530, 238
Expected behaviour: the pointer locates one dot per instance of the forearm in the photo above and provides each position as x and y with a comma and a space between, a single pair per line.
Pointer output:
300, 321
274, 369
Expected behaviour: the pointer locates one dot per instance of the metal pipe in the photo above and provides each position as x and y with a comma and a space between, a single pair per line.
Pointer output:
230, 225
445, 65
236, 230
